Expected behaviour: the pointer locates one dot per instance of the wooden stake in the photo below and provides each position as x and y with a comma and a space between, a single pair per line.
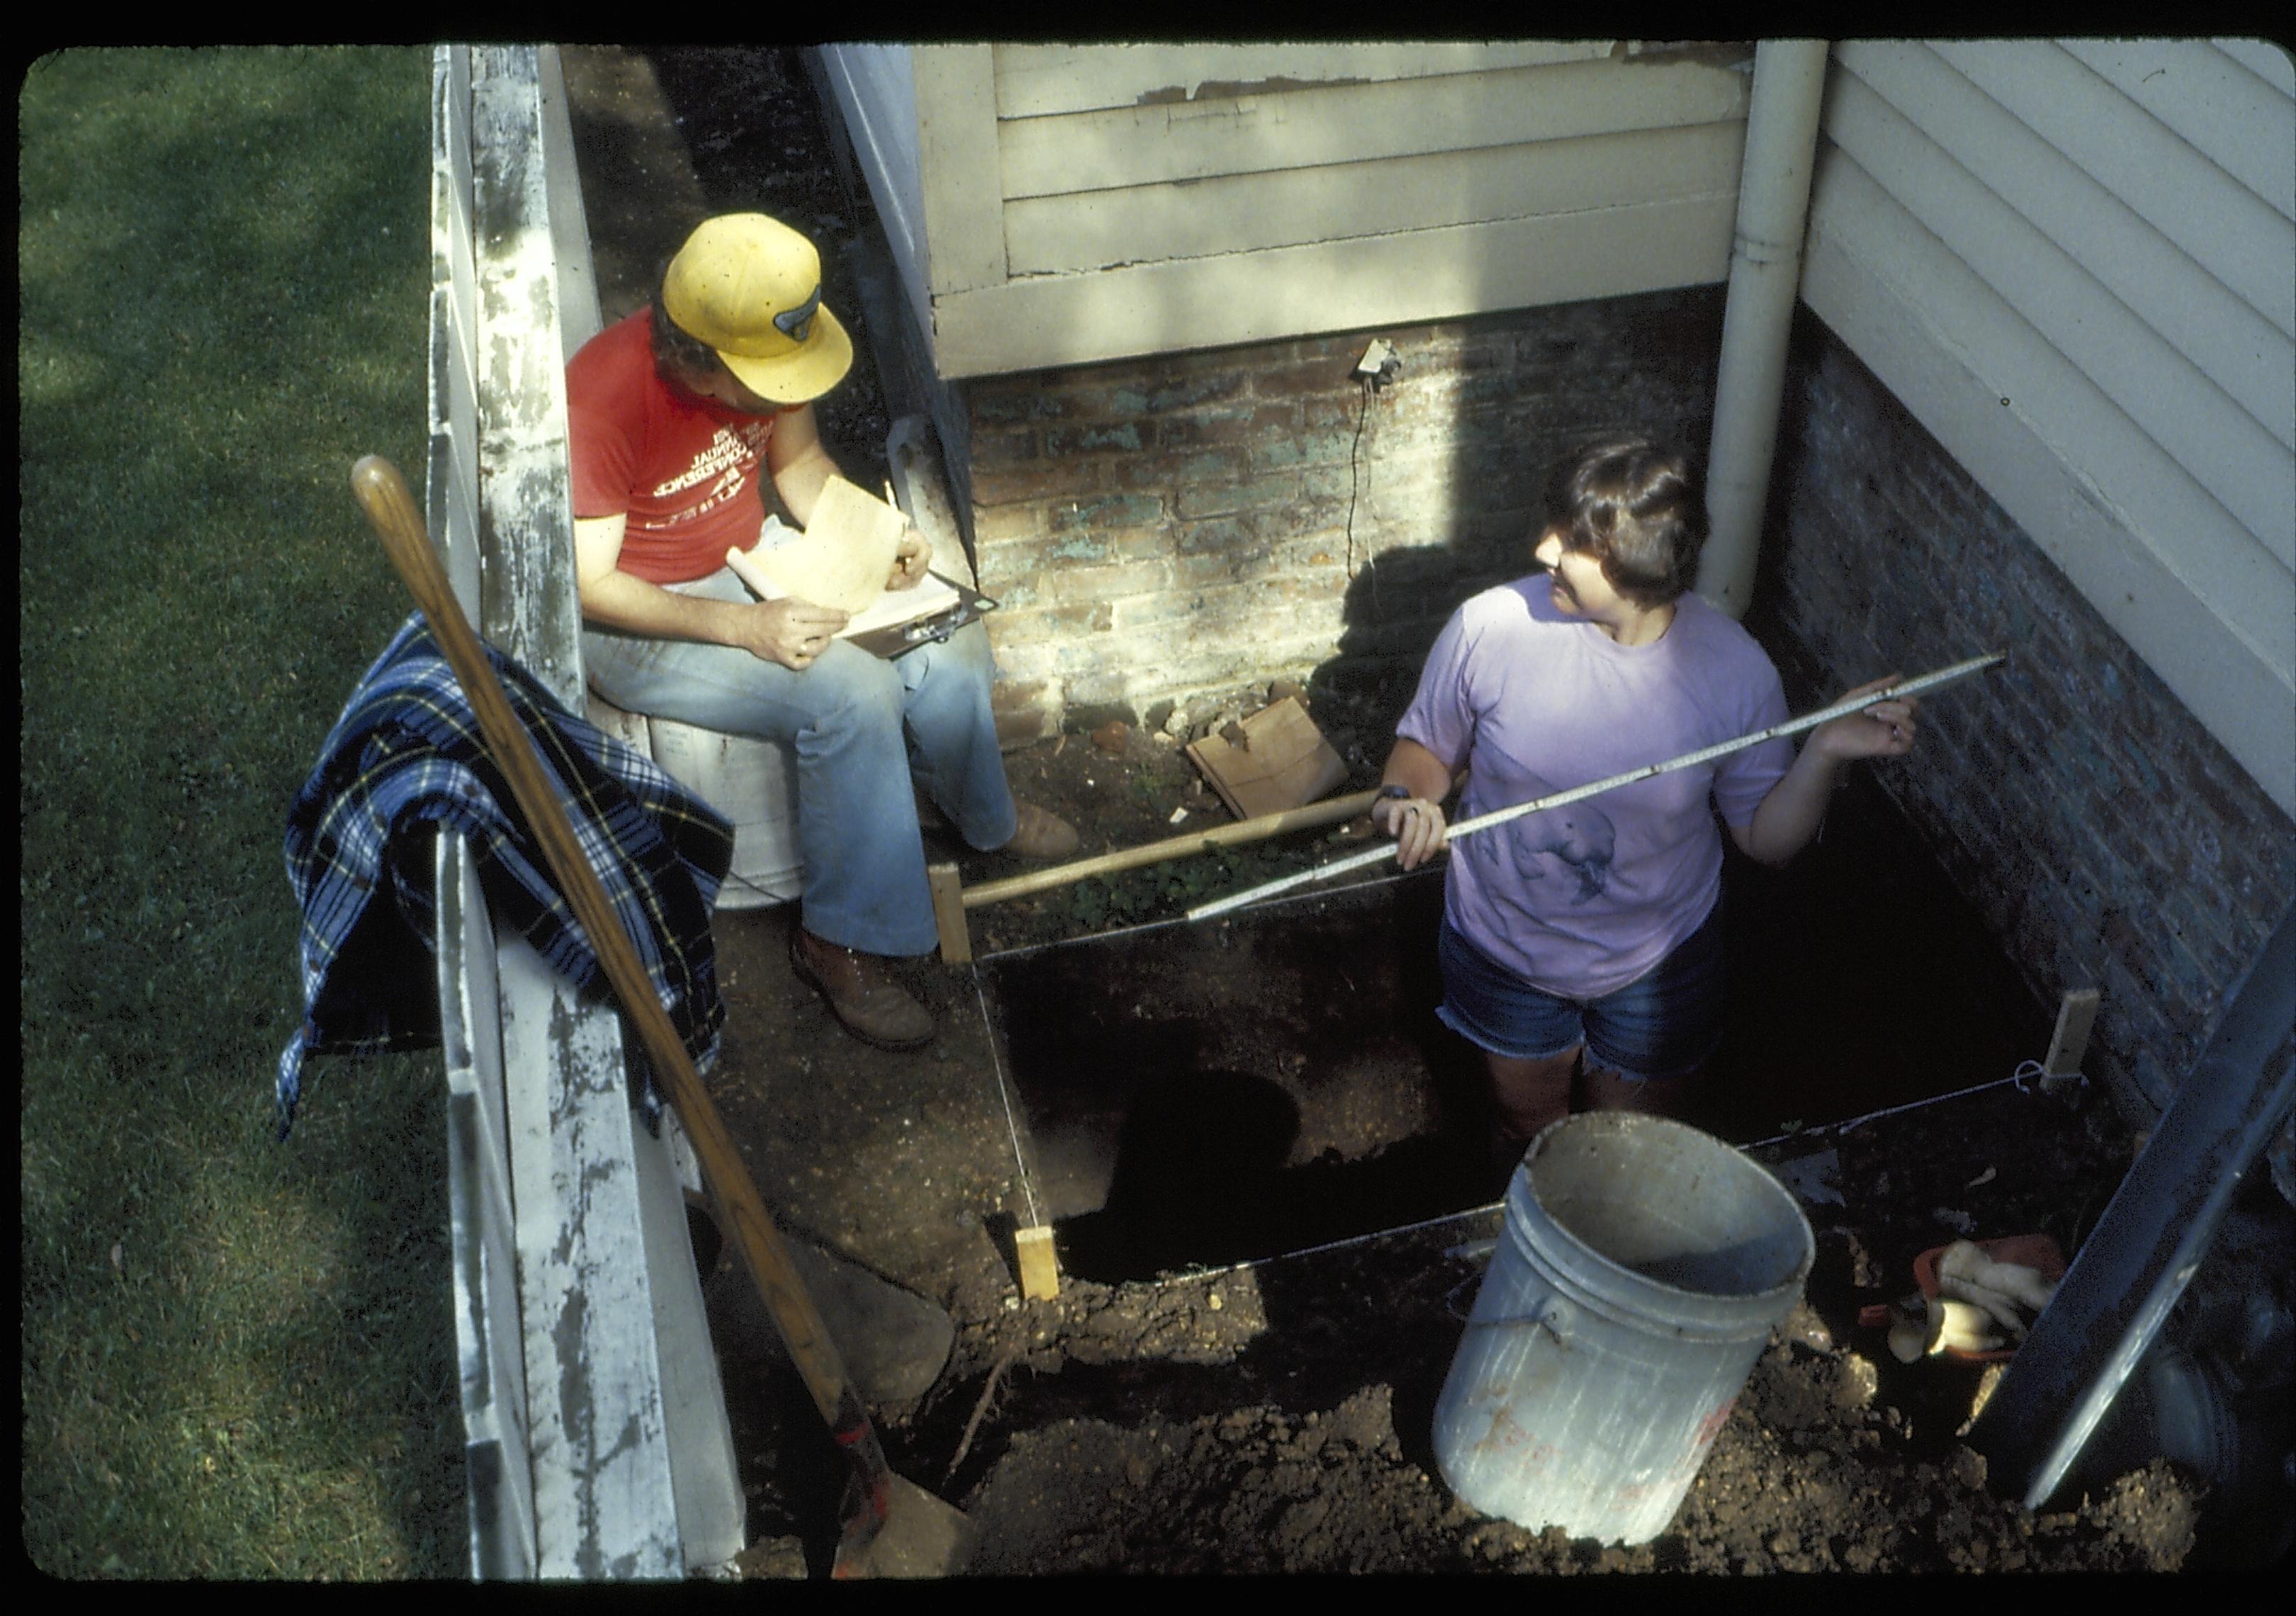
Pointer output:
1173, 847
2075, 1014
1040, 1267
948, 914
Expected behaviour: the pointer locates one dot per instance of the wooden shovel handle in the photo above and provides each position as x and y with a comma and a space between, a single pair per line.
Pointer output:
382, 494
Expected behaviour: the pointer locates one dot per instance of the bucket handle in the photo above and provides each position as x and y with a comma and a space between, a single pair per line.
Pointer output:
1551, 1314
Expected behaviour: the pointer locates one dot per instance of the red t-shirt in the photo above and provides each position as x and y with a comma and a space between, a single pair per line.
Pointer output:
682, 469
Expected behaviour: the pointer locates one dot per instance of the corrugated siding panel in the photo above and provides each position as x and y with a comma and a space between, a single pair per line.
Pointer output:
2002, 221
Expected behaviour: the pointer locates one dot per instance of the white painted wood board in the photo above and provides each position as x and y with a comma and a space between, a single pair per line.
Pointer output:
2233, 345
604, 1507
1431, 275
957, 162
1038, 80
2237, 236
1303, 128
2241, 461
2228, 113
1251, 212
567, 1320
488, 1338
2268, 59
2094, 493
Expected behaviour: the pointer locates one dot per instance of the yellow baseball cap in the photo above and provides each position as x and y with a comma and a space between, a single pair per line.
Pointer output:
750, 286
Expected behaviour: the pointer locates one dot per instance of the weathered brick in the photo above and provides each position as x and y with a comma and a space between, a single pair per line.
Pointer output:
1108, 510
1065, 442
1187, 392
1064, 479
996, 450
998, 522
1069, 585
1228, 426
1302, 449
1054, 625
1166, 471
1329, 373
993, 405
1196, 500
1026, 710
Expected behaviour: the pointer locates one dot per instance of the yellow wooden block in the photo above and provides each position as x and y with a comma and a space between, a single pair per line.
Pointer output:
947, 889
1040, 1270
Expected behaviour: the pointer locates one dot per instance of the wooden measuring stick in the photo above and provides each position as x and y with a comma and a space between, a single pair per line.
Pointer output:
1482, 821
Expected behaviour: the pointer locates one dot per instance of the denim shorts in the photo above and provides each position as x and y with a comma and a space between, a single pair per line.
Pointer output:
1664, 1024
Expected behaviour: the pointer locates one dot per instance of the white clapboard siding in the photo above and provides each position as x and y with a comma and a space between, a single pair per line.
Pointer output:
1171, 306
2235, 236
1993, 328
2265, 58
2219, 105
1038, 80
2245, 463
2215, 331
1106, 201
1250, 212
1318, 124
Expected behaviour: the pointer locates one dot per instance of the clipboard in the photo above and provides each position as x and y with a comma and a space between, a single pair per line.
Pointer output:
899, 639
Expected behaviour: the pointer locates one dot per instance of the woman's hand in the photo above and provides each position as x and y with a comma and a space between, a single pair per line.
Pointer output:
1416, 824
1884, 730
910, 561
791, 632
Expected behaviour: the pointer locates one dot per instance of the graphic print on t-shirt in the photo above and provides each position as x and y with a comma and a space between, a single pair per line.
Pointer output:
1578, 835
726, 456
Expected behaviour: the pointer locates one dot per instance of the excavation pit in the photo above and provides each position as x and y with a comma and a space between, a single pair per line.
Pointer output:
1196, 1093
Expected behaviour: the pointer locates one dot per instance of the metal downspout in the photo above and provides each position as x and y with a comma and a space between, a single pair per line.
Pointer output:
1782, 118
2150, 1242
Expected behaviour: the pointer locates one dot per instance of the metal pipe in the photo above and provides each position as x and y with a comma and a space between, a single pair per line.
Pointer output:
2153, 1237
1704, 754
1782, 118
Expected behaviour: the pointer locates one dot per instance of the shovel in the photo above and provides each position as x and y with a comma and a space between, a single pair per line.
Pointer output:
890, 1526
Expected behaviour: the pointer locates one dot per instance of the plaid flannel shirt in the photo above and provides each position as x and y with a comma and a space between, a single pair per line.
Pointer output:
405, 760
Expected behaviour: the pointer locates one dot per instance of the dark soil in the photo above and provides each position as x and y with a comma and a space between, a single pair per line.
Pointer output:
1285, 1087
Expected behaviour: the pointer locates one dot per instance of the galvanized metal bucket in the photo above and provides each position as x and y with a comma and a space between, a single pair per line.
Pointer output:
1640, 1270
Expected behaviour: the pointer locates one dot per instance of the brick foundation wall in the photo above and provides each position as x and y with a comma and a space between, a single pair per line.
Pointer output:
1178, 528
2106, 839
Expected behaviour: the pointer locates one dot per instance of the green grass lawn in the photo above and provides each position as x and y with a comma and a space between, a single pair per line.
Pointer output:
237, 1355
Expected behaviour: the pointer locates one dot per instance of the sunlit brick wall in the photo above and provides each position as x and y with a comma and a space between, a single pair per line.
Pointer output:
1194, 522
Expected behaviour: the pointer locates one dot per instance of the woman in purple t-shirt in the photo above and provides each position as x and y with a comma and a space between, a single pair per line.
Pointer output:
1581, 946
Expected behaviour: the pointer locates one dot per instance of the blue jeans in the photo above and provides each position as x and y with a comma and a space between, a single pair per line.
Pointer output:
862, 729
1664, 1024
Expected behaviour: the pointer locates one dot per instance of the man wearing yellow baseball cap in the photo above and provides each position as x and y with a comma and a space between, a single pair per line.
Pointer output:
675, 414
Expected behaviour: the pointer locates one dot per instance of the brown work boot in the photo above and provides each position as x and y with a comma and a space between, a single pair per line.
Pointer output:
861, 993
1042, 836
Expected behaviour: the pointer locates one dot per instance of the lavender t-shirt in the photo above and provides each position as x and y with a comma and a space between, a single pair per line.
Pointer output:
1580, 900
